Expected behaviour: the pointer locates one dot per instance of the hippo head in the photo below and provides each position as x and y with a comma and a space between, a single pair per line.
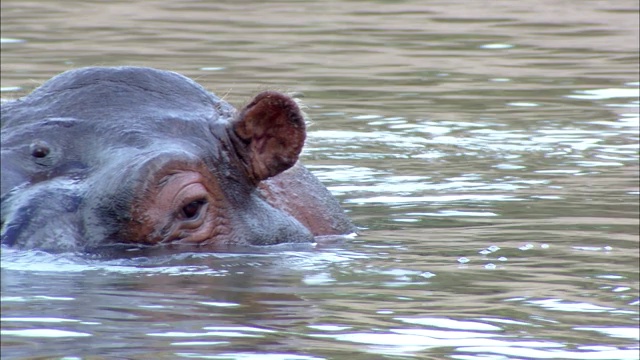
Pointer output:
134, 155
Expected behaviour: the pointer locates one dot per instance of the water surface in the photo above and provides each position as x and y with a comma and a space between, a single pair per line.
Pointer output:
489, 150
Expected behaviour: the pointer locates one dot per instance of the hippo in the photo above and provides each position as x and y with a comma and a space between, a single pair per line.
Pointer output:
136, 156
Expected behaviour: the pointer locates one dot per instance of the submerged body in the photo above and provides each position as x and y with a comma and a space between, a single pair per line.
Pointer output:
100, 156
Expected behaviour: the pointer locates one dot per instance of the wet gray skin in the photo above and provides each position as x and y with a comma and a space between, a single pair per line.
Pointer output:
131, 155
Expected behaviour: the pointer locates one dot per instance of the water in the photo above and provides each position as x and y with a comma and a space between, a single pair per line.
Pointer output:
490, 149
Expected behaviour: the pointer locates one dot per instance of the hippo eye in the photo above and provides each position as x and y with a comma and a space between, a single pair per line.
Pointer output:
192, 209
39, 150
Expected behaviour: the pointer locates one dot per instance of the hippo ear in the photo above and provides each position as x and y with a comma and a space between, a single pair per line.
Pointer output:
272, 132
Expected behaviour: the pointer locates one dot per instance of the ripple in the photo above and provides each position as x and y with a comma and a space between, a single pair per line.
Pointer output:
43, 333
221, 333
570, 306
443, 198
523, 104
618, 332
496, 46
450, 323
11, 41
531, 353
10, 89
456, 213
608, 93
37, 319
250, 356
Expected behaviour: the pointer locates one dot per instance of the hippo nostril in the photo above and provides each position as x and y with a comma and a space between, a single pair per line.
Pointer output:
40, 149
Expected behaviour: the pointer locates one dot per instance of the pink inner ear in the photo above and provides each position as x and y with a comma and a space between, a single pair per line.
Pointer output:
273, 128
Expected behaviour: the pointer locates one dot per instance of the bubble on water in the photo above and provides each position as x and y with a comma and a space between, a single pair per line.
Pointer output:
490, 266
463, 260
502, 258
544, 246
427, 274
489, 250
608, 248
526, 247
